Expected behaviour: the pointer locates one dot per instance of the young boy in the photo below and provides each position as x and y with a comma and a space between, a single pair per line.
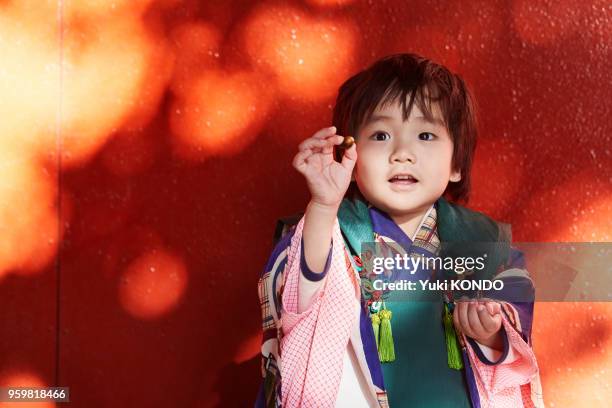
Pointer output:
328, 340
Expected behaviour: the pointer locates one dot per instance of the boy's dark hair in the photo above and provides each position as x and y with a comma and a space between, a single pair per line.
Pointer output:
401, 76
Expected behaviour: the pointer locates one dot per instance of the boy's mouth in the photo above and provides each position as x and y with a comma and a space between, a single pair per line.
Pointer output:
403, 179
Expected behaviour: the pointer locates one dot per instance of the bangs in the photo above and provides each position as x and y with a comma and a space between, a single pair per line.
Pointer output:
405, 82
426, 96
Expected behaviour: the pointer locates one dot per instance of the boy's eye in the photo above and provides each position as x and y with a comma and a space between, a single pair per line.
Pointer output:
381, 136
426, 136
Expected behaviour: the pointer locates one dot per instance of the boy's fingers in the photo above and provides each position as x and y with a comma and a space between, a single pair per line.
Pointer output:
328, 146
487, 321
493, 307
463, 318
474, 319
349, 158
325, 132
456, 318
329, 141
299, 161
311, 143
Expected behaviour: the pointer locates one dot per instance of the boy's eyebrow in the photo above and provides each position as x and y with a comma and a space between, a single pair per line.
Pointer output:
433, 121
379, 117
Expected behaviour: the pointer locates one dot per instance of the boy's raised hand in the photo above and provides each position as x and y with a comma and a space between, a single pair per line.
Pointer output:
480, 320
327, 179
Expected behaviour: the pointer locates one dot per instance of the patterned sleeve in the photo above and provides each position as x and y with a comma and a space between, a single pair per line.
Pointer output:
270, 287
505, 378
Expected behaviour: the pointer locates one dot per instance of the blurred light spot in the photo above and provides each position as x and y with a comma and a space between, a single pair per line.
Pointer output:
579, 209
28, 213
107, 64
112, 62
197, 46
248, 349
102, 8
127, 246
156, 78
112, 72
571, 329
542, 22
220, 113
29, 79
153, 284
590, 222
310, 56
23, 379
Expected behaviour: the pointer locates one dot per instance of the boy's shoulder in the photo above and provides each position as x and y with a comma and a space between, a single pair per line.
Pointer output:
459, 223
285, 227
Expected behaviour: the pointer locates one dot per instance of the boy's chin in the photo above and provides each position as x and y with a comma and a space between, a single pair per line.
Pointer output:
405, 206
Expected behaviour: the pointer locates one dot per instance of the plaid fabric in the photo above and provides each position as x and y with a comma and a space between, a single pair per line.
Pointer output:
427, 236
264, 302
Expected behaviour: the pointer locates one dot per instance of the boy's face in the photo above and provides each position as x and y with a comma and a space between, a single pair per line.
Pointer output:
403, 167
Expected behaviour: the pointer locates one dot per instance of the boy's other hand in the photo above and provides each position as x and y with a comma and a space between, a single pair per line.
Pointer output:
327, 179
480, 320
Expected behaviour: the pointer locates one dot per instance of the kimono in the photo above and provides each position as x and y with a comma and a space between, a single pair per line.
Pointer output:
310, 345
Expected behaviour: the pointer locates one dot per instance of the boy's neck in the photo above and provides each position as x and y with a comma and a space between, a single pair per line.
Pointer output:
409, 223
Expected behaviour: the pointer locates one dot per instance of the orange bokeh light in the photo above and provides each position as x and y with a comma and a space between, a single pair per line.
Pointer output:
105, 70
581, 330
29, 79
578, 210
574, 359
23, 379
197, 46
220, 113
77, 9
29, 215
105, 65
590, 224
153, 284
310, 57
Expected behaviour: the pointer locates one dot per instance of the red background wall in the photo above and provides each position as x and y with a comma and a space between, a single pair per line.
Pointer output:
146, 153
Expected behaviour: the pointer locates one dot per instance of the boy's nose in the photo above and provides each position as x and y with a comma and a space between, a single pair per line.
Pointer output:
402, 155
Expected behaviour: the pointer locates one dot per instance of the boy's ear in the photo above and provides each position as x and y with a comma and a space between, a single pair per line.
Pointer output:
455, 176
